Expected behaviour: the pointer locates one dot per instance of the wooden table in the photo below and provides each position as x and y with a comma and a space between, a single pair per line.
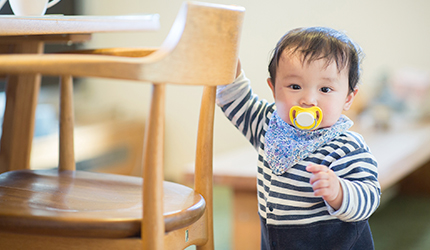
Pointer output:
28, 35
399, 151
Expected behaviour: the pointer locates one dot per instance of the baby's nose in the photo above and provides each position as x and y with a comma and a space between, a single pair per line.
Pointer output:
308, 100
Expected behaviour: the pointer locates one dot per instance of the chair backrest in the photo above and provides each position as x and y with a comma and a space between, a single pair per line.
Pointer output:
202, 43
212, 31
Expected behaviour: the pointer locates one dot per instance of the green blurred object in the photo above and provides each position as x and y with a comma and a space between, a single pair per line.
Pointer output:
403, 223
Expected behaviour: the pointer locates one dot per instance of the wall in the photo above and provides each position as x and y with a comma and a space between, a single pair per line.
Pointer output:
393, 35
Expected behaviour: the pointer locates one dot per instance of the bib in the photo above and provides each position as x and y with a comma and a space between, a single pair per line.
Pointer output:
286, 145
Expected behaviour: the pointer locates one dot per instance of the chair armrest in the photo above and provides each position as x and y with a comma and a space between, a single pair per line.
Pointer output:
126, 52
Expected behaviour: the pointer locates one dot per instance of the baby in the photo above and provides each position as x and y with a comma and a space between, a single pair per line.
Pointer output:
317, 181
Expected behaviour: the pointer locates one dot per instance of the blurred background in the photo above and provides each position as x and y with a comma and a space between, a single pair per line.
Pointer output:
393, 98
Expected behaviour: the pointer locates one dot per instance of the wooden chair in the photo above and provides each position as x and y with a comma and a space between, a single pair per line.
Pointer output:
68, 209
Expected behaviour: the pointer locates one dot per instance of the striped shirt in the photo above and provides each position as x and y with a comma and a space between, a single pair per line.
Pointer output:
288, 199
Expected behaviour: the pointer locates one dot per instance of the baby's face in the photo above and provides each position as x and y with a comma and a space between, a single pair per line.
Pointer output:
311, 84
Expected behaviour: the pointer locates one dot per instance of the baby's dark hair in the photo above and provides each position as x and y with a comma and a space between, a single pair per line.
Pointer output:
321, 43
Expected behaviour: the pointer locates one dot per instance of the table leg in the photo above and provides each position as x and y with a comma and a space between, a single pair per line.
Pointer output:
416, 183
18, 121
246, 223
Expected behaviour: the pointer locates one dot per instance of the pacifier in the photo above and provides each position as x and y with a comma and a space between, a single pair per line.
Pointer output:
306, 118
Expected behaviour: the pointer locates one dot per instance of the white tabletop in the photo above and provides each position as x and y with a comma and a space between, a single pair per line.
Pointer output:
11, 25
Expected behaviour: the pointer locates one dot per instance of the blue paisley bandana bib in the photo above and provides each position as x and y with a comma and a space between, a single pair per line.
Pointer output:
286, 145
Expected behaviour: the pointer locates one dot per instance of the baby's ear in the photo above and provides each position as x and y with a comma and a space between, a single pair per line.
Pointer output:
350, 99
271, 85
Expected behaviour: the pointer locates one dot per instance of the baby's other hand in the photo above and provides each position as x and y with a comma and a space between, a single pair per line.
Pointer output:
326, 184
238, 69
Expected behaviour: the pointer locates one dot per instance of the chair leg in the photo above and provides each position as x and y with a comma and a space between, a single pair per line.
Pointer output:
153, 219
203, 181
67, 155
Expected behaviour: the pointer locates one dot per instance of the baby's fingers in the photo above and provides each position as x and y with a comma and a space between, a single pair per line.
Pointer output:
314, 168
320, 184
319, 176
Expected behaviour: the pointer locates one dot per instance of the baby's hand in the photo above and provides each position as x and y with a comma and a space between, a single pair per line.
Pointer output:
238, 68
325, 183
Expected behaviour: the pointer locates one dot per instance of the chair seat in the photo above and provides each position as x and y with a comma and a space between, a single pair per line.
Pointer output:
84, 204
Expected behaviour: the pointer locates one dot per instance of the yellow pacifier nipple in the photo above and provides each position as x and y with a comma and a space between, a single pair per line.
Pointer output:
306, 118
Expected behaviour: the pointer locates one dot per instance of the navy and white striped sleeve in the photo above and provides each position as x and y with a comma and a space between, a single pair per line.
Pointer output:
358, 175
243, 108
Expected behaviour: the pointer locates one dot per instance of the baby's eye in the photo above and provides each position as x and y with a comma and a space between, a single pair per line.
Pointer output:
294, 86
325, 89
